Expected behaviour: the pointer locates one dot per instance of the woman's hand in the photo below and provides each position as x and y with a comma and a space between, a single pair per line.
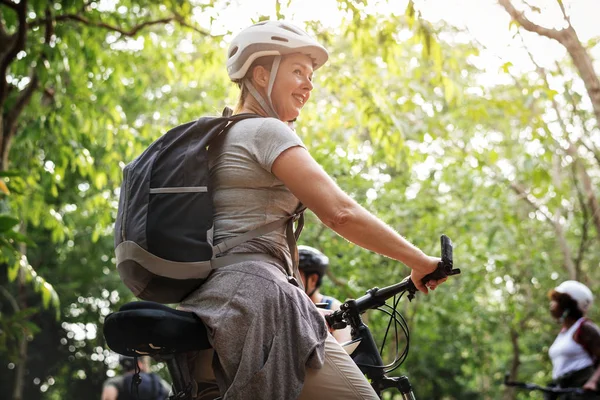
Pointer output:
324, 313
591, 385
425, 267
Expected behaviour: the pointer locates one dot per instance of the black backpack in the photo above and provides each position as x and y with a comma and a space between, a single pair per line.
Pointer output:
148, 388
164, 227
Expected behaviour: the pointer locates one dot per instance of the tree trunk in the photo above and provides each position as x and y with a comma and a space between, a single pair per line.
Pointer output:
510, 393
21, 369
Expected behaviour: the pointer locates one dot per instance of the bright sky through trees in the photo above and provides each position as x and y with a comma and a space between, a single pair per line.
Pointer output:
484, 19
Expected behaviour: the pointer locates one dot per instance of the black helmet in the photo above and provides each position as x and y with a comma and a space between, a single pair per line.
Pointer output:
312, 260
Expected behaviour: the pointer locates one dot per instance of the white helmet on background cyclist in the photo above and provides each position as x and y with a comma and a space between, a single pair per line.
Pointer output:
578, 292
270, 38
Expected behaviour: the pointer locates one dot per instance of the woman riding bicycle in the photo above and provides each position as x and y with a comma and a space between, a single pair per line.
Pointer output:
575, 353
270, 340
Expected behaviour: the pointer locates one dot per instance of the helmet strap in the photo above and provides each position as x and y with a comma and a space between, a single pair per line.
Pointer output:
267, 105
272, 76
311, 293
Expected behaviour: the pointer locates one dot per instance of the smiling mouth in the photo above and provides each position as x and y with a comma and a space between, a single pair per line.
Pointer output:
299, 98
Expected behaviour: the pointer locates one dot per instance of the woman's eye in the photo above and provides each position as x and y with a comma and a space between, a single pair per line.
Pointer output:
297, 72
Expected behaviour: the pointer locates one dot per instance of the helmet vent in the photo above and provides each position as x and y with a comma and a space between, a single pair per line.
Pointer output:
279, 38
288, 28
233, 51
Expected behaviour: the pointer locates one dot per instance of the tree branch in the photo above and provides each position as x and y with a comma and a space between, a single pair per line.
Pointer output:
558, 228
520, 17
23, 98
579, 54
18, 43
530, 199
126, 32
585, 220
22, 101
582, 120
10, 4
336, 281
564, 12
11, 299
573, 153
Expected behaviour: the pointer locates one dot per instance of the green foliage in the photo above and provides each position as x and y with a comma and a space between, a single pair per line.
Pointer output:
399, 117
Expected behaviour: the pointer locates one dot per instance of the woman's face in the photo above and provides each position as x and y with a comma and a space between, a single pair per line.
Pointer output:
555, 309
292, 86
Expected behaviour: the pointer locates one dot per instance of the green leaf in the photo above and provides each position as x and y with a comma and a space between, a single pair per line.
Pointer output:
46, 295
13, 271
7, 222
11, 173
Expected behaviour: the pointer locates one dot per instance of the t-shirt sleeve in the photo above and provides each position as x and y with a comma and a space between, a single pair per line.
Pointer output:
272, 138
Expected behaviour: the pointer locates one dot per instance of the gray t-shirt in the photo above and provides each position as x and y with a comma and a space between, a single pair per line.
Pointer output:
246, 193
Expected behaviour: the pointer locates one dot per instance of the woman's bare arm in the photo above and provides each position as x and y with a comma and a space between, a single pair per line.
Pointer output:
305, 178
589, 337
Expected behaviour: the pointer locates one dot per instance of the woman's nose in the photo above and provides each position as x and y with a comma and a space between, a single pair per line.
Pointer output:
308, 84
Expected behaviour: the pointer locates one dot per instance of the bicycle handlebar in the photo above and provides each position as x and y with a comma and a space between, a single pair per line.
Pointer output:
376, 297
544, 389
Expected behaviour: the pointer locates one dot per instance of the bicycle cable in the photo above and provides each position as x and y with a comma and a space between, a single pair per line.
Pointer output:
399, 321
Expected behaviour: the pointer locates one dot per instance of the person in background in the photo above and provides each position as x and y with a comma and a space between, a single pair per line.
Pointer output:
575, 353
313, 265
123, 387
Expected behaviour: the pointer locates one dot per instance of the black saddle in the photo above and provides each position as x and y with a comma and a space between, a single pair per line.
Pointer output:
147, 328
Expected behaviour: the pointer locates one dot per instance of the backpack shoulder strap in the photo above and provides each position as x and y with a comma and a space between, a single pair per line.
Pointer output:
219, 125
585, 343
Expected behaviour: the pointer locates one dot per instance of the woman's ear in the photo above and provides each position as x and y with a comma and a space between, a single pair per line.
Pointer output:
260, 76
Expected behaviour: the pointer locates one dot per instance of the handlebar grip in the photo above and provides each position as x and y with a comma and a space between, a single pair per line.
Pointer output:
445, 266
438, 274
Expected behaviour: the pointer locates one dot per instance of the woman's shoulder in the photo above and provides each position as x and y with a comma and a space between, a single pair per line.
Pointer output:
261, 125
590, 326
588, 332
262, 129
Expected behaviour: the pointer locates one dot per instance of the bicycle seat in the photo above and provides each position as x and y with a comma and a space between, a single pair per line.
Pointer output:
147, 328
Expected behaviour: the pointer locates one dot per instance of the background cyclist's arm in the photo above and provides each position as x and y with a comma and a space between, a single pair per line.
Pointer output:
589, 336
305, 178
109, 392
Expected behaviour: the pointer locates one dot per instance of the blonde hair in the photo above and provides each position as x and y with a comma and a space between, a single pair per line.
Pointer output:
265, 62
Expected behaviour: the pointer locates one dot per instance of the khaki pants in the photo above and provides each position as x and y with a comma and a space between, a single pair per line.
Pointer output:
339, 378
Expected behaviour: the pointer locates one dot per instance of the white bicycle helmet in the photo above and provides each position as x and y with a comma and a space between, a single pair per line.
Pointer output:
578, 292
270, 38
